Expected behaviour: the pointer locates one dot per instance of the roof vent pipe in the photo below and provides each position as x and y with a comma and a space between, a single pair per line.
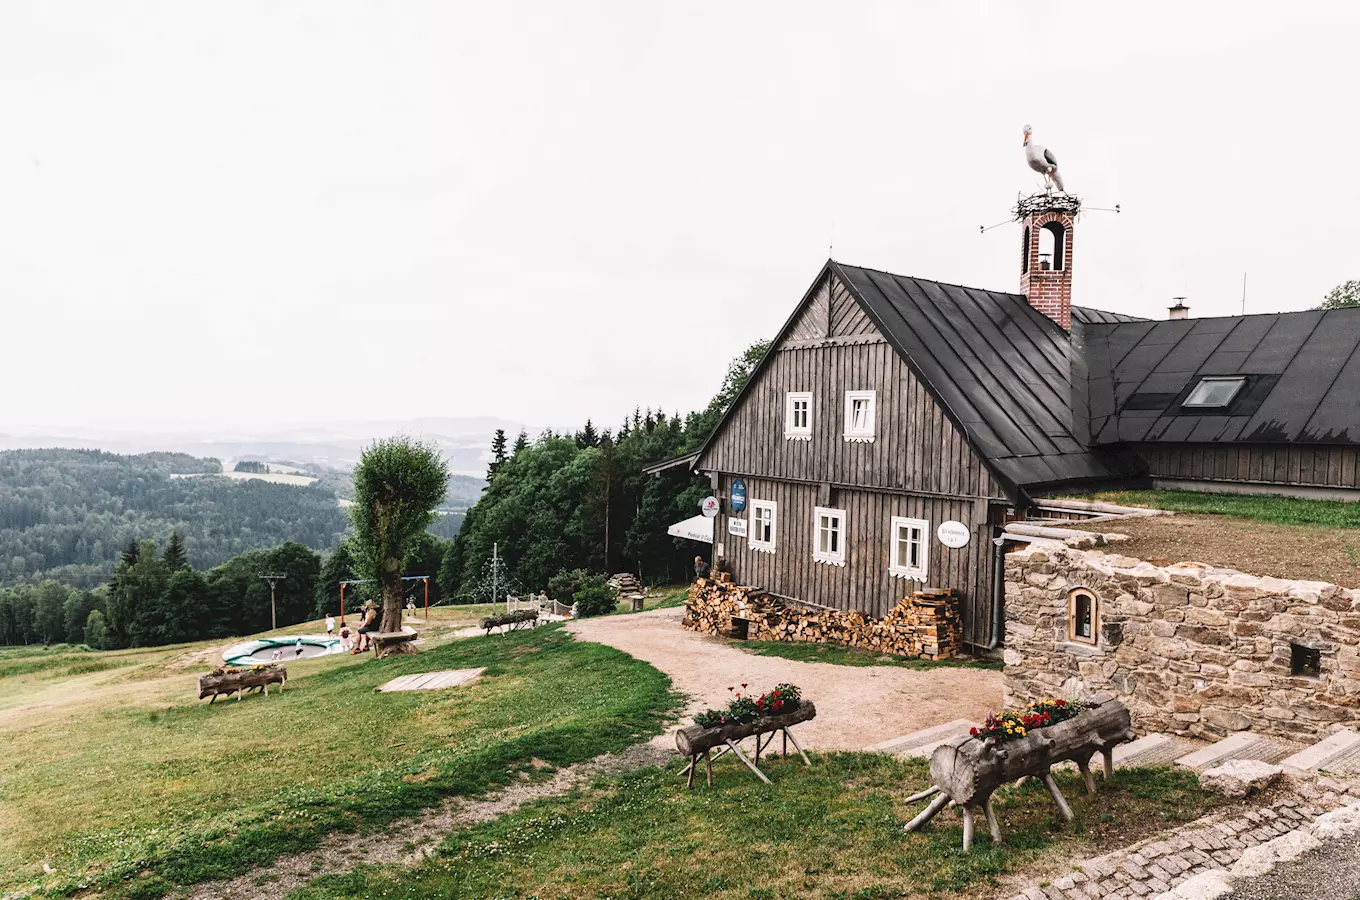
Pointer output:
1179, 311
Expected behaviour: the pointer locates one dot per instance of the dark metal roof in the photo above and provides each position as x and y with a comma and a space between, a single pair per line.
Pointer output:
1002, 370
1088, 316
1303, 381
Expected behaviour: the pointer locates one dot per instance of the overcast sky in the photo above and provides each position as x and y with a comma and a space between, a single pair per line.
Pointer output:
277, 212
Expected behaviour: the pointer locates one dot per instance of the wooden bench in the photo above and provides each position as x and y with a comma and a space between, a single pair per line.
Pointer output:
388, 643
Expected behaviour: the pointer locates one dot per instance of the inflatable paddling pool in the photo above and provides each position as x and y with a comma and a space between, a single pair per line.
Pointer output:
254, 653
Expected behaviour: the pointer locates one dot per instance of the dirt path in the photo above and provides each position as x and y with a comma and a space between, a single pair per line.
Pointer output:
856, 706
408, 842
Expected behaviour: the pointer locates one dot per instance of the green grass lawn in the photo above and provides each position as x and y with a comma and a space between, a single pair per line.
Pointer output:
124, 780
1265, 507
850, 656
831, 831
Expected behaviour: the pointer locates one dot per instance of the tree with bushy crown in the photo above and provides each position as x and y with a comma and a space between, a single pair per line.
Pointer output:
521, 442
1343, 296
130, 552
398, 484
175, 557
498, 455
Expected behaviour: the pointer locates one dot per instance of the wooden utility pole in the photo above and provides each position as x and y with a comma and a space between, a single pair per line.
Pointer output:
273, 613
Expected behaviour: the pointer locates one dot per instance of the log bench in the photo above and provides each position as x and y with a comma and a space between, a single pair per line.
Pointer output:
698, 742
390, 643
968, 770
520, 618
239, 682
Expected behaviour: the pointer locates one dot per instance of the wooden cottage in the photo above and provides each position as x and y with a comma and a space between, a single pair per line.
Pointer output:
897, 423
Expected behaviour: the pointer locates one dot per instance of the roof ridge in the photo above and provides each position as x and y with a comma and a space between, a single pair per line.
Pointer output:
966, 287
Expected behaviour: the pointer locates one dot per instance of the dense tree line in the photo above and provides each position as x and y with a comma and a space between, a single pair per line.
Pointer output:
66, 514
159, 598
582, 501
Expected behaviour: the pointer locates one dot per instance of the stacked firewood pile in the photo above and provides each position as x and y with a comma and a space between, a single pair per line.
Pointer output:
625, 583
627, 587
925, 624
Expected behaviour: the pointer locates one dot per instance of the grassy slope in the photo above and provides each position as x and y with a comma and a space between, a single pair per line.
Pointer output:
850, 656
125, 772
834, 830
1265, 508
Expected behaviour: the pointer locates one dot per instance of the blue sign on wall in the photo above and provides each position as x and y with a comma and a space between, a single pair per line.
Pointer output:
738, 495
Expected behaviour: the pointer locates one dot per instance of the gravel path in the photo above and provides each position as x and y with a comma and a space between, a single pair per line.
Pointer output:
1329, 872
856, 706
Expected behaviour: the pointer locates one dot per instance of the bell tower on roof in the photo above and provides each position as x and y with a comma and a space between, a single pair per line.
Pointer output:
1048, 221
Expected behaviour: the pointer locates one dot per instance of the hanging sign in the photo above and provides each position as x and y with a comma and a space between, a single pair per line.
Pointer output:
709, 506
953, 534
737, 527
738, 495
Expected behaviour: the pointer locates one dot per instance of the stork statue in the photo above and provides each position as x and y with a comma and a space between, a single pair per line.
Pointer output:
1043, 161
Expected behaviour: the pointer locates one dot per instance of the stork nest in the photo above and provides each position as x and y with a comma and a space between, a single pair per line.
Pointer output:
1046, 201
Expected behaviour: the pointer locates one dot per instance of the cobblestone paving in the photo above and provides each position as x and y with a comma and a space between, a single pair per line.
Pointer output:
1157, 865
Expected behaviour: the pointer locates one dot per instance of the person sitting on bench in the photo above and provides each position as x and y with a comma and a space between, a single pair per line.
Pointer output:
368, 626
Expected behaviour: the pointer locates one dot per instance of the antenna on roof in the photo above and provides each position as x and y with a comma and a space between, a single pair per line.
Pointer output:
1244, 293
1016, 216
831, 244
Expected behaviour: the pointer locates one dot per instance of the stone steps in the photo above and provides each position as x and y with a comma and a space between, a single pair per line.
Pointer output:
923, 743
1241, 745
1152, 750
1339, 754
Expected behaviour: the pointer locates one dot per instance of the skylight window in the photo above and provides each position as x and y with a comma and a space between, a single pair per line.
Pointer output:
1214, 393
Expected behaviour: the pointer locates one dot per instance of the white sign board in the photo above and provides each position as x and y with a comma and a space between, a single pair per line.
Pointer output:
953, 534
737, 527
709, 506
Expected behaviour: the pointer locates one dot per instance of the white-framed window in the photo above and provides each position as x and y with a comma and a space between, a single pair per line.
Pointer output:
798, 416
910, 550
764, 522
828, 538
859, 415
1214, 393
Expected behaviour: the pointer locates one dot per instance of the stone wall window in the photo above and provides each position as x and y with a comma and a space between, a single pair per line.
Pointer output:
1305, 661
1083, 617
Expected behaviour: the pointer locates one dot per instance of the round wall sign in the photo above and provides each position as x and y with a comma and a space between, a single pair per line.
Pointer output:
738, 495
953, 534
709, 506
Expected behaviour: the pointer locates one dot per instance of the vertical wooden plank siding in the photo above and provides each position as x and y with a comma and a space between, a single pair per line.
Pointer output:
1284, 464
916, 448
864, 582
918, 465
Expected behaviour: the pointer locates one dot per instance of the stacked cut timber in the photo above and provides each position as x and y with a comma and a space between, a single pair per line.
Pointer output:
628, 589
625, 583
926, 624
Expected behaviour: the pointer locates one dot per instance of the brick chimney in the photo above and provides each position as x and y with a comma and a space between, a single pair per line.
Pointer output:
1046, 263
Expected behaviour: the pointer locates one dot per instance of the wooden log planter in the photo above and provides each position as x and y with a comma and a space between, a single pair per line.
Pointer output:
698, 742
239, 682
968, 770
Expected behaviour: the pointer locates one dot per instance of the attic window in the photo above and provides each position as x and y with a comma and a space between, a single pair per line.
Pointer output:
1214, 393
859, 415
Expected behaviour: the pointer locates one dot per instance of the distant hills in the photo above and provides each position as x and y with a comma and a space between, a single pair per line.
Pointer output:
463, 440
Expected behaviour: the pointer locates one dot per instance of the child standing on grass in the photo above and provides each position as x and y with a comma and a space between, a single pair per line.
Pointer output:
344, 635
330, 625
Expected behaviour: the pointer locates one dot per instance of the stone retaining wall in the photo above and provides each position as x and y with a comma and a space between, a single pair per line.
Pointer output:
1191, 649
